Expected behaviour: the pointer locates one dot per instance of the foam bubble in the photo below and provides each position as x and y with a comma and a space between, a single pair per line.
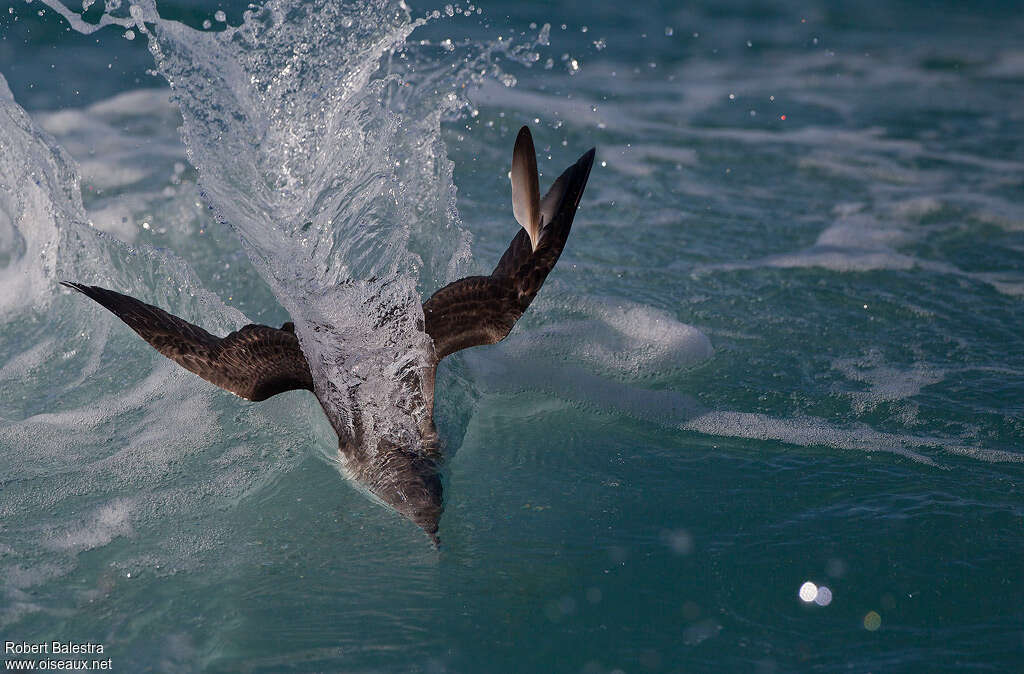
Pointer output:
22, 364
624, 338
813, 431
107, 523
886, 383
917, 208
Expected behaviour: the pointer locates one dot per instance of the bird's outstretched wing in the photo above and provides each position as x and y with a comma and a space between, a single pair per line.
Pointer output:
482, 309
255, 362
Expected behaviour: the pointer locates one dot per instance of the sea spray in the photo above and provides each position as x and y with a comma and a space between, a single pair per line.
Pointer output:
315, 129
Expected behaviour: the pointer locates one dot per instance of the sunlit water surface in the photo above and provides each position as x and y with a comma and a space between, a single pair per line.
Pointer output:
784, 344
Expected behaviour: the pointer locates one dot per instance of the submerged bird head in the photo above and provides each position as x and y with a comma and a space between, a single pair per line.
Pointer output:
405, 479
411, 484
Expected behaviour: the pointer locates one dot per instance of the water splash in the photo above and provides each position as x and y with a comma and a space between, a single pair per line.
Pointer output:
316, 132
64, 443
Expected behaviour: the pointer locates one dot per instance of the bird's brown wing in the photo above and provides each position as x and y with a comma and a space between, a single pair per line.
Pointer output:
481, 310
255, 362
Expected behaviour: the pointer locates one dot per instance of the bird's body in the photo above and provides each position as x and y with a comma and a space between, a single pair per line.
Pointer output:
398, 460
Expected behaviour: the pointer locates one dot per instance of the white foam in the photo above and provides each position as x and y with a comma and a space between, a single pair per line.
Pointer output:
803, 431
625, 338
22, 364
813, 431
886, 383
916, 208
27, 205
108, 522
859, 242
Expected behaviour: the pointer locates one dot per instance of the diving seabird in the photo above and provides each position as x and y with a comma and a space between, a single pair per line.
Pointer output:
258, 361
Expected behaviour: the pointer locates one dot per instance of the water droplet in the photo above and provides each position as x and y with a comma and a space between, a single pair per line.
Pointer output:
808, 591
129, 35
679, 540
219, 15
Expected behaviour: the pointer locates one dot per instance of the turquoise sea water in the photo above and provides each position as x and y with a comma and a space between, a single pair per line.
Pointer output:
783, 345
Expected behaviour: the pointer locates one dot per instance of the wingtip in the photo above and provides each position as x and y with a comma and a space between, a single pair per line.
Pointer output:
525, 186
105, 297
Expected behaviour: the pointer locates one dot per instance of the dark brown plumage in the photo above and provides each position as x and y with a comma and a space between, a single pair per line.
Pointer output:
258, 361
255, 363
482, 309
